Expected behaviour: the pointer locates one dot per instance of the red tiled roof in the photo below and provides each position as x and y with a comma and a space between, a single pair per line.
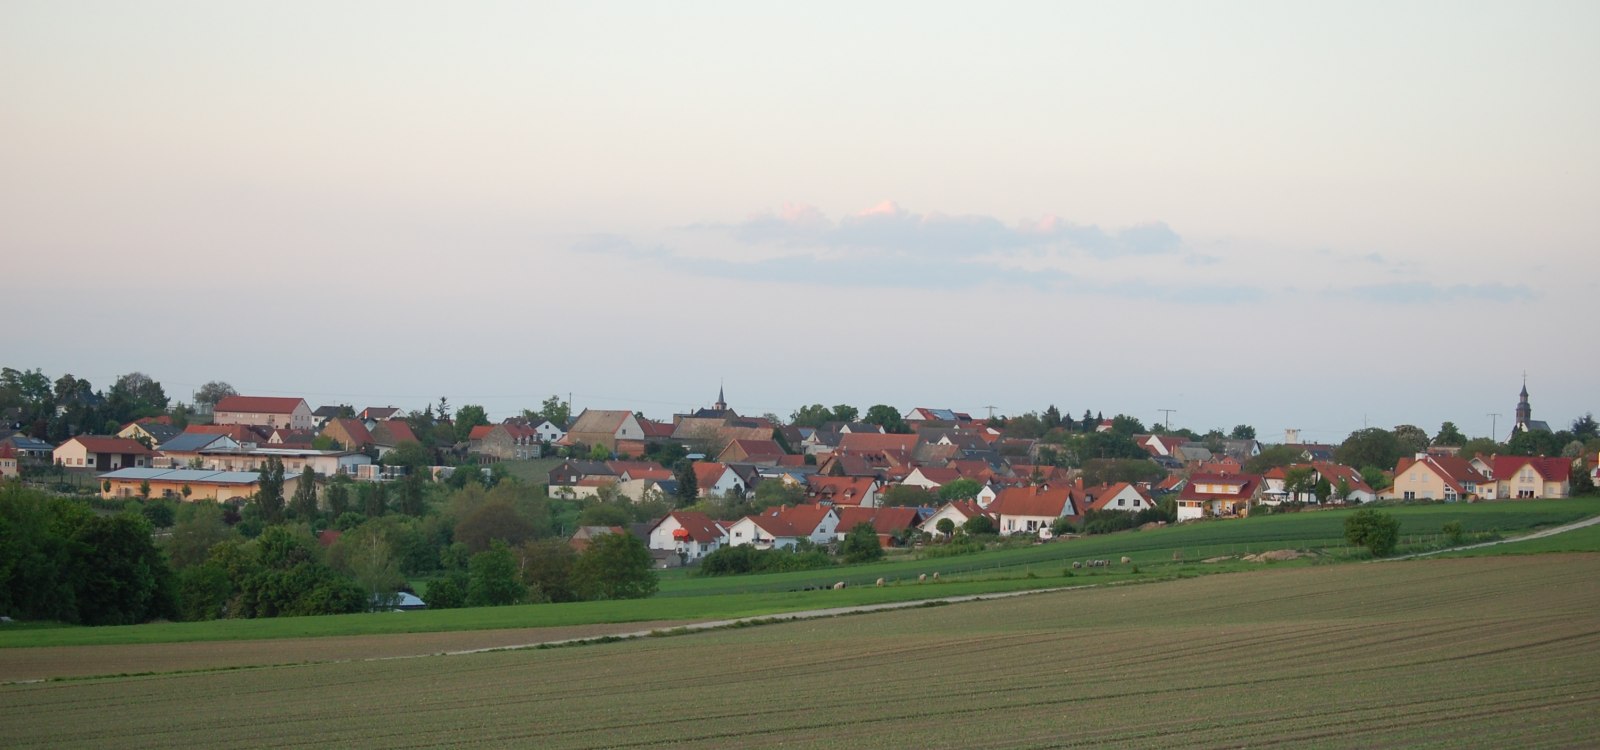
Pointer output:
706, 474
7, 450
758, 448
860, 442
1239, 486
699, 526
939, 476
259, 404
1549, 469
399, 430
355, 428
480, 432
838, 490
656, 430
1034, 501
883, 520
106, 444
791, 521
618, 467
1105, 493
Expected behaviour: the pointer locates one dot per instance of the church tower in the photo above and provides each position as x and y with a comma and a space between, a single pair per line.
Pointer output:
722, 401
1524, 409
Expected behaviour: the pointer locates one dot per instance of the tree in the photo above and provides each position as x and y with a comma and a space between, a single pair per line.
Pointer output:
688, 485
547, 570
1411, 439
599, 452
979, 525
614, 566
1300, 481
374, 498
494, 521
960, 489
558, 412
144, 489
845, 413
193, 537
813, 416
122, 578
1027, 426
1375, 530
1051, 417
1113, 470
136, 395
375, 569
1126, 426
1243, 432
410, 454
861, 544
492, 578
774, 492
304, 503
269, 492
1480, 447
1585, 427
1449, 434
1271, 458
414, 494
468, 417
1372, 447
888, 418
159, 513
946, 526
338, 496
903, 495
209, 394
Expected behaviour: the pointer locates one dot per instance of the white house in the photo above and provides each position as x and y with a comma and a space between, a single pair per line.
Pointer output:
1120, 496
959, 512
692, 535
778, 528
549, 432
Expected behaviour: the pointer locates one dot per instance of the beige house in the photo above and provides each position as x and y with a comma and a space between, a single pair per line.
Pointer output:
269, 411
102, 453
604, 427
1429, 477
1529, 477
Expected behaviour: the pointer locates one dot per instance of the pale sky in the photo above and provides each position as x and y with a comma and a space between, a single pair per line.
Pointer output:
1281, 214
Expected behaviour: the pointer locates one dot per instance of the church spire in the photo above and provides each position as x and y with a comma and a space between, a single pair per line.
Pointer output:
722, 401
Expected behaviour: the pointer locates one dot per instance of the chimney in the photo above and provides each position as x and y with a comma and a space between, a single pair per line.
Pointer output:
1291, 435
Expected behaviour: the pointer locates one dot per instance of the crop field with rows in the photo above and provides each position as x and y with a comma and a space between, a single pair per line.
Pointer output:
1491, 652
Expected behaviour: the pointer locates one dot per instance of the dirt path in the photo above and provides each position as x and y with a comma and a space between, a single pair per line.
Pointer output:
1552, 531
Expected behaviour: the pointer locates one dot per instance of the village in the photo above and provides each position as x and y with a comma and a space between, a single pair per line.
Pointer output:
726, 479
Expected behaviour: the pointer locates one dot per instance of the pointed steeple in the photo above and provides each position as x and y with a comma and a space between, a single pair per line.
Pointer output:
722, 401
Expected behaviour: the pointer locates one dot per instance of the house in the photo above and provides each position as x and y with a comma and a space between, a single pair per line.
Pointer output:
1120, 496
507, 441
604, 427
875, 442
321, 415
29, 450
690, 535
859, 491
1527, 477
1173, 483
1428, 477
947, 416
252, 458
184, 451
8, 462
388, 433
149, 433
959, 512
201, 484
102, 453
1209, 495
348, 433
930, 478
785, 526
549, 432
890, 524
378, 414
268, 411
284, 437
717, 479
1028, 510
1160, 445
585, 534
568, 472
764, 452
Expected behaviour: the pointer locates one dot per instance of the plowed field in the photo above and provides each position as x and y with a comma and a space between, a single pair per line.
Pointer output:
1493, 652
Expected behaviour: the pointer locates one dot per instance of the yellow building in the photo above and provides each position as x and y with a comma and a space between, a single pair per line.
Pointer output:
203, 484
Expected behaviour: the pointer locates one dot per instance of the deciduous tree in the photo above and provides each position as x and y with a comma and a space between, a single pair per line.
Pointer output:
614, 566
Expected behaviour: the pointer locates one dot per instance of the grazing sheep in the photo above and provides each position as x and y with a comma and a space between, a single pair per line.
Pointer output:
880, 583
935, 575
1076, 565
838, 586
1126, 559
922, 578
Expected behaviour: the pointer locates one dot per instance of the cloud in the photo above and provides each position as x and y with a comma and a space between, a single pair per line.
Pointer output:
1422, 292
889, 228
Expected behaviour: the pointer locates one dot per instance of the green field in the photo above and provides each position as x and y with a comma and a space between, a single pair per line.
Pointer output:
685, 597
1498, 652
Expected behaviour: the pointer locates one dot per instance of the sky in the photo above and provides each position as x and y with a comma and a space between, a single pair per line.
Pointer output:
1319, 216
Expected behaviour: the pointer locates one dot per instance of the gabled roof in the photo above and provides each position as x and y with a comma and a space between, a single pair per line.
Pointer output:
758, 449
883, 520
480, 432
191, 442
791, 521
355, 428
1106, 493
379, 413
108, 444
239, 432
620, 467
1234, 486
858, 442
698, 527
259, 404
1549, 469
838, 490
707, 473
1454, 471
654, 430
392, 432
7, 451
1035, 501
606, 421
938, 476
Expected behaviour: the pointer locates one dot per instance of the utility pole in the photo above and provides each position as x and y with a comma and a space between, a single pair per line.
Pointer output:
1494, 421
1168, 420
991, 411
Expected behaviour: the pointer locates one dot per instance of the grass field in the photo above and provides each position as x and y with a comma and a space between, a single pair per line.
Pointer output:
1499, 652
685, 597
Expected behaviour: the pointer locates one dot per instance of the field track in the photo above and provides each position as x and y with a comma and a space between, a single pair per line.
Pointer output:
1487, 652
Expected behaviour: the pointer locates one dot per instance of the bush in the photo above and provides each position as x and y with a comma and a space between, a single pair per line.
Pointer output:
861, 544
1107, 521
746, 558
1375, 530
1454, 533
979, 525
449, 592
